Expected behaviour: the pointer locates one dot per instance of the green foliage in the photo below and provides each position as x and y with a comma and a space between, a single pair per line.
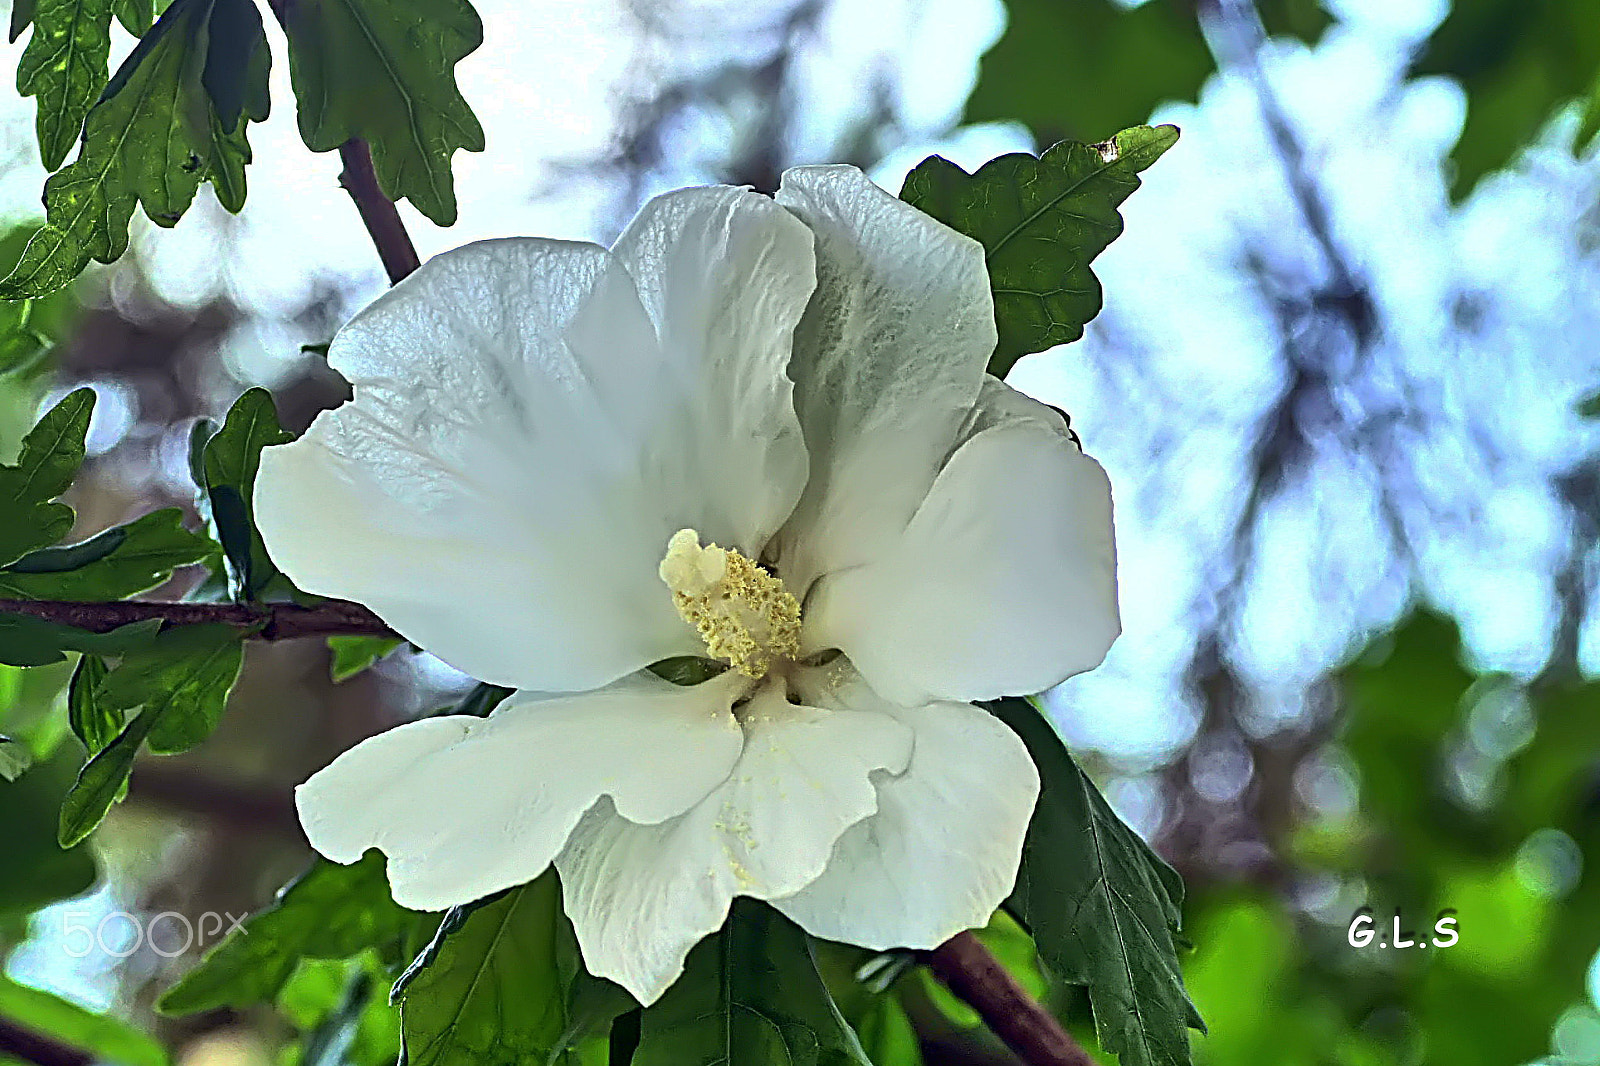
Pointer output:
29, 641
1110, 64
112, 565
93, 721
22, 342
36, 870
15, 758
497, 983
226, 475
749, 995
1041, 222
181, 680
343, 1006
1102, 907
1519, 63
102, 1037
384, 71
168, 120
64, 65
49, 459
352, 655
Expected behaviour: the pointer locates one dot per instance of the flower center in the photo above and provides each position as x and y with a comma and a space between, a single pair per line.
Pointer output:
744, 614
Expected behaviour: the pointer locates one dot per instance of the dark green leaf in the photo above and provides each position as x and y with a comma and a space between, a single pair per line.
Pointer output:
184, 676
154, 135
749, 995
1041, 222
103, 1037
384, 71
112, 565
29, 641
330, 912
493, 985
479, 702
352, 655
102, 781
36, 870
48, 461
136, 16
687, 669
94, 722
64, 65
229, 460
1102, 907
22, 12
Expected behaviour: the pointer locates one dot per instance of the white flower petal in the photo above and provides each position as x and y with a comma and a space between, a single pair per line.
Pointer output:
725, 274
467, 806
641, 896
1003, 583
888, 361
942, 851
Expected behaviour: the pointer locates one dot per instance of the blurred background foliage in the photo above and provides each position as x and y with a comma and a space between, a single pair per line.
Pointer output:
1337, 383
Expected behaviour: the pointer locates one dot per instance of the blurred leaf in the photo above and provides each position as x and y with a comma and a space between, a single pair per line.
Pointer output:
103, 1037
1041, 222
64, 65
112, 565
48, 461
343, 1006
1519, 63
384, 71
229, 460
156, 132
22, 343
494, 984
93, 722
29, 641
1102, 907
15, 758
329, 912
479, 702
184, 677
36, 870
749, 994
886, 1034
352, 655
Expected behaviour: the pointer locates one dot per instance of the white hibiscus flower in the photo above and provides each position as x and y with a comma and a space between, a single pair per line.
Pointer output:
758, 430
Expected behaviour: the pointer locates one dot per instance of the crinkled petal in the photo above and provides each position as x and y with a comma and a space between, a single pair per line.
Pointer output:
888, 361
640, 896
504, 483
466, 806
1003, 583
941, 853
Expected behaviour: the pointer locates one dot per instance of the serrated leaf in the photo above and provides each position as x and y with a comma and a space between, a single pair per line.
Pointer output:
93, 722
352, 655
229, 461
29, 641
1041, 222
46, 464
152, 137
493, 984
384, 71
102, 1037
64, 65
329, 912
112, 565
184, 677
749, 995
1101, 906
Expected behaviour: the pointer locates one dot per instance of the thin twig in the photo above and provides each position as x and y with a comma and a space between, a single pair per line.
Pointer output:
969, 970
24, 1044
383, 222
268, 621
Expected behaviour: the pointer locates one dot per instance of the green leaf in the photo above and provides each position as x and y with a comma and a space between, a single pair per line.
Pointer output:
329, 912
117, 563
136, 16
183, 677
749, 995
15, 758
353, 1025
1041, 223
886, 1034
93, 721
352, 655
36, 870
49, 459
229, 461
22, 12
64, 65
154, 136
103, 1037
29, 641
102, 781
22, 343
1102, 907
384, 71
493, 984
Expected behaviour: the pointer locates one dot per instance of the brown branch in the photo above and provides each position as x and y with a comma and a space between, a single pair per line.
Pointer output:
24, 1044
270, 621
969, 970
383, 222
